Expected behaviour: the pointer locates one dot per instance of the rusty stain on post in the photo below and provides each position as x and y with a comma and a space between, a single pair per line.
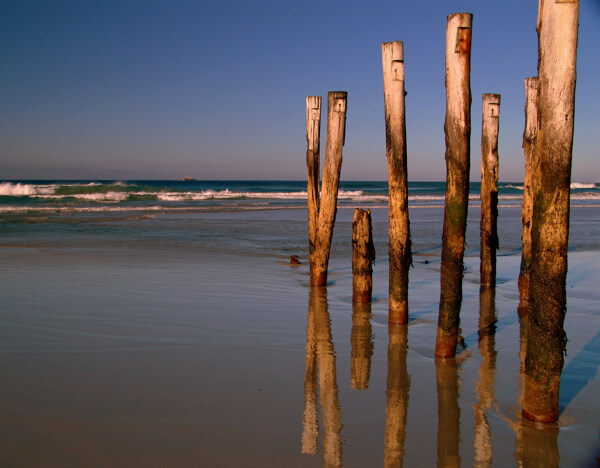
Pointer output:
392, 55
489, 188
457, 127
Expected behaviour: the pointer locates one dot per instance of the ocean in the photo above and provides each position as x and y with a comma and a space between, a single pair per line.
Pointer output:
160, 323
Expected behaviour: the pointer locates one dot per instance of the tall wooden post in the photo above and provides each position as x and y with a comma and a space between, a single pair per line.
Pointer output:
489, 188
336, 128
392, 54
363, 254
529, 134
546, 339
458, 133
361, 340
313, 139
398, 388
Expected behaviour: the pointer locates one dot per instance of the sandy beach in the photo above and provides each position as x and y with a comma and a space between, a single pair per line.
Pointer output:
219, 354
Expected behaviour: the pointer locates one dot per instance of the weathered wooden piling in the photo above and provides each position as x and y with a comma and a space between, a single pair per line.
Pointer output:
457, 127
529, 134
489, 188
363, 254
398, 389
361, 340
313, 139
336, 128
392, 54
546, 339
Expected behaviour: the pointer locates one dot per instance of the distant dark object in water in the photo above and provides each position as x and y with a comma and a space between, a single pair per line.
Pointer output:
294, 260
187, 179
426, 262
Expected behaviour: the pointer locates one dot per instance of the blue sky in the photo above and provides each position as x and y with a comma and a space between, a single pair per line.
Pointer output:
136, 89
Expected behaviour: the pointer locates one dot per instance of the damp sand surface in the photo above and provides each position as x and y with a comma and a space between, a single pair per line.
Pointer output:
188, 340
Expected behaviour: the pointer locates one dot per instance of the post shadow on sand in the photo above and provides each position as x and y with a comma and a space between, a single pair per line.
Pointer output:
579, 372
321, 369
398, 388
361, 339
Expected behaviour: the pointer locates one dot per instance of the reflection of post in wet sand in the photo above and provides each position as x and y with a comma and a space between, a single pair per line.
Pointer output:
485, 382
361, 339
398, 387
446, 374
536, 444
319, 353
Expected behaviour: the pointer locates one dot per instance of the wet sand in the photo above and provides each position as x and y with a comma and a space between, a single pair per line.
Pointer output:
125, 357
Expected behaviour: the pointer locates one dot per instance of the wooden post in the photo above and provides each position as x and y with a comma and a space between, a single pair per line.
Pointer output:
392, 54
458, 133
336, 128
363, 254
529, 134
398, 388
546, 339
448, 436
361, 339
313, 139
489, 188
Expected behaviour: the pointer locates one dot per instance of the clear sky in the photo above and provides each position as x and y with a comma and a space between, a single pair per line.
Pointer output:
136, 89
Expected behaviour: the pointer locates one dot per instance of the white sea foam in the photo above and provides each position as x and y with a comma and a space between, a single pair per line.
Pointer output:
579, 185
93, 197
20, 190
